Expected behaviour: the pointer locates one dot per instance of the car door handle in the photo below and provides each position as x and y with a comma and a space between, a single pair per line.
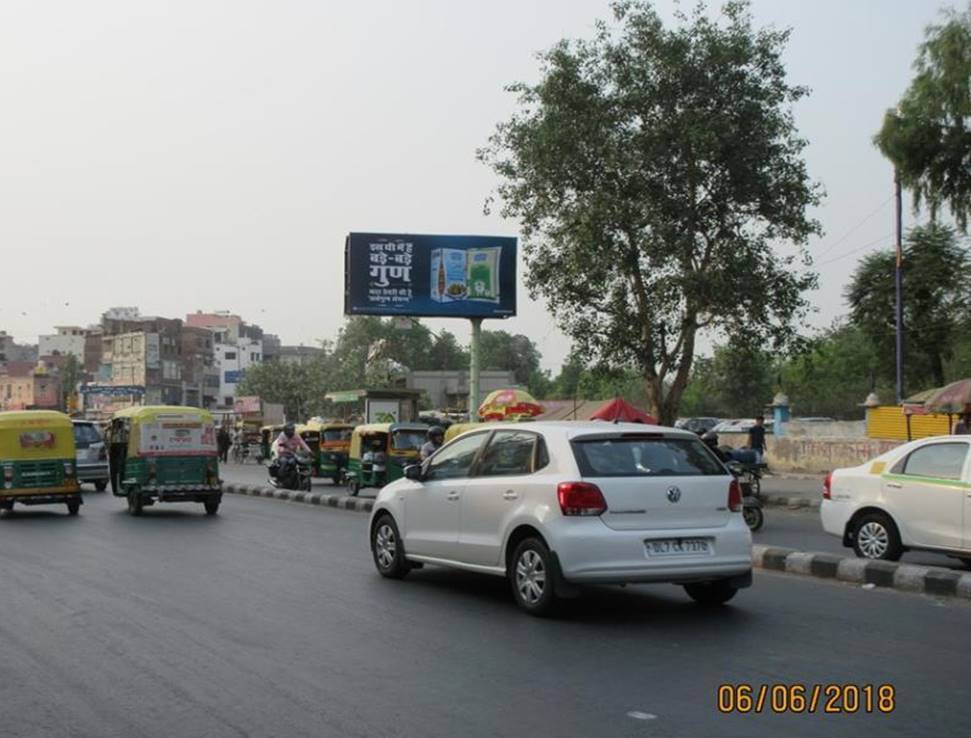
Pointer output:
510, 494
895, 485
452, 496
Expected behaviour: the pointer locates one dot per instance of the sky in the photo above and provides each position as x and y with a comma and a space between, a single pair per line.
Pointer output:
213, 154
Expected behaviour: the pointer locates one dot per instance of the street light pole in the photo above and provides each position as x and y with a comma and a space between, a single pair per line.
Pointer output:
474, 364
899, 287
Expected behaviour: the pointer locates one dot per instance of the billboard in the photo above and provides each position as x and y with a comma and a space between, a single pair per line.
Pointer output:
430, 276
233, 376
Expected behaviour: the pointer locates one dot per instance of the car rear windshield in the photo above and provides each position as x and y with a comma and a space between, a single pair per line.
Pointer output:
645, 457
85, 435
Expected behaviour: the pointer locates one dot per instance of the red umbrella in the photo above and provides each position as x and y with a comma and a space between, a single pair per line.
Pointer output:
619, 411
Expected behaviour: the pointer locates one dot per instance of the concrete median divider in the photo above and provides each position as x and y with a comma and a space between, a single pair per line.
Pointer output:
930, 580
324, 499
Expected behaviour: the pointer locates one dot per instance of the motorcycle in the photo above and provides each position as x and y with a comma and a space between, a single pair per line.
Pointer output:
292, 471
751, 499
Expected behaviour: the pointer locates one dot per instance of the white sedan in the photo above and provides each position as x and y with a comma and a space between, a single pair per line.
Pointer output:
555, 505
917, 496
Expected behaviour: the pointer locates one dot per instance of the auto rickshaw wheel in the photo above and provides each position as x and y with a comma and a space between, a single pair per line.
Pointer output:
212, 507
354, 486
73, 507
101, 485
134, 503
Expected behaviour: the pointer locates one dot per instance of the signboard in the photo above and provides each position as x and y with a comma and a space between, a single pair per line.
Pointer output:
250, 404
234, 376
431, 276
177, 436
113, 390
383, 411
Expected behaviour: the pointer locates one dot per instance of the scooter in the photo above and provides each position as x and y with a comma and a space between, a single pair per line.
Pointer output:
751, 502
293, 472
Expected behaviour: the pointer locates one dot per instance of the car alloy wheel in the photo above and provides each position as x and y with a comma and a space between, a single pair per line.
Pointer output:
530, 577
873, 540
385, 545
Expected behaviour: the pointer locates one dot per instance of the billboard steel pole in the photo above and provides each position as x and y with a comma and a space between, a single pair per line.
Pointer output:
899, 289
474, 362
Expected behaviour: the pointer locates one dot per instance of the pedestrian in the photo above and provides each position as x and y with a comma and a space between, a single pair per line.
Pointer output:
756, 438
222, 443
963, 426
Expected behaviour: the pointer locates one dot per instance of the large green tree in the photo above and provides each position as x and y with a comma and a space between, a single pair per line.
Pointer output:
928, 136
936, 302
738, 380
651, 170
516, 353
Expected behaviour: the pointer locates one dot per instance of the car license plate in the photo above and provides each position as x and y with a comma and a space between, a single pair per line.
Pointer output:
679, 547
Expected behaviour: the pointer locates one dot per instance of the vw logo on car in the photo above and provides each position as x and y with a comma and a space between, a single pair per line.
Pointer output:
674, 494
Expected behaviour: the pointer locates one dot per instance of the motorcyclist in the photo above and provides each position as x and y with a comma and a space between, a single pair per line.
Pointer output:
436, 436
287, 445
289, 442
710, 439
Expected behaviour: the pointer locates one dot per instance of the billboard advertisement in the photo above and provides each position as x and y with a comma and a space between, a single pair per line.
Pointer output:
430, 276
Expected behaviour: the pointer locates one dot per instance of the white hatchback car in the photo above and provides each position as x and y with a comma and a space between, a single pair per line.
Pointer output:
917, 496
554, 505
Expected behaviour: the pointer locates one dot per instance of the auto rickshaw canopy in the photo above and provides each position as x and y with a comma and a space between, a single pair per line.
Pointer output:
168, 430
389, 431
36, 434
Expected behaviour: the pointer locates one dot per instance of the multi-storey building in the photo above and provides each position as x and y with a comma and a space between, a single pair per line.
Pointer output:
26, 386
236, 347
69, 340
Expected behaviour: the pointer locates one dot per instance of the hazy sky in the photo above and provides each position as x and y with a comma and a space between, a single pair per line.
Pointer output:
208, 154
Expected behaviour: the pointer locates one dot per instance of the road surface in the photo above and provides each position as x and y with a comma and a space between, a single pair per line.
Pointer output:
799, 529
269, 620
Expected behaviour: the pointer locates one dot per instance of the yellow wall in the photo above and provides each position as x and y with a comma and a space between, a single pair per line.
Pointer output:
889, 422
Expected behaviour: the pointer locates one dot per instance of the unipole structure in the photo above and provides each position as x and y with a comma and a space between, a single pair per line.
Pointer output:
474, 362
899, 284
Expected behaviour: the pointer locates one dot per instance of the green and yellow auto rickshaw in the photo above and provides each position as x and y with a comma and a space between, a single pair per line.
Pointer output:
37, 455
164, 454
335, 445
398, 443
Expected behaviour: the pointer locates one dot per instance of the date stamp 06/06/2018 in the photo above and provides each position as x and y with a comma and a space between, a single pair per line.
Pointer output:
831, 699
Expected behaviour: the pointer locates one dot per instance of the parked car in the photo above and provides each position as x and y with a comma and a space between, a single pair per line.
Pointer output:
553, 505
697, 425
92, 456
913, 497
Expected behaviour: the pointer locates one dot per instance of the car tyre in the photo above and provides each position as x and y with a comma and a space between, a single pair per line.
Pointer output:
711, 593
754, 518
531, 573
875, 537
387, 548
135, 505
212, 507
101, 485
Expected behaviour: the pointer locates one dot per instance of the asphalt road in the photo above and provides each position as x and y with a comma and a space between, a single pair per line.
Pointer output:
799, 529
269, 620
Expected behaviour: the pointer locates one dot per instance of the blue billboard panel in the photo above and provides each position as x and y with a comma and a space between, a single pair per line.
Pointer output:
430, 276
233, 376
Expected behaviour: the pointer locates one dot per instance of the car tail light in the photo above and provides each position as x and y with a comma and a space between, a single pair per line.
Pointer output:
828, 487
580, 498
68, 469
734, 496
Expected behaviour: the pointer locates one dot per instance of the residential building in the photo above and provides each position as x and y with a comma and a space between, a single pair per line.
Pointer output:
298, 354
200, 375
237, 346
449, 389
149, 358
10, 350
69, 340
26, 386
271, 347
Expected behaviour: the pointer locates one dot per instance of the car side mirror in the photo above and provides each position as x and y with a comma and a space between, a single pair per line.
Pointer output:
413, 472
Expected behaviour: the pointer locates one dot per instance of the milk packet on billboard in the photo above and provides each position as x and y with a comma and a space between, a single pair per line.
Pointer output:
483, 274
448, 275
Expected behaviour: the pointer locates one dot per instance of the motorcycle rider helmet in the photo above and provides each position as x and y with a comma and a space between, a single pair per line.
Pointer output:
289, 429
711, 439
436, 434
